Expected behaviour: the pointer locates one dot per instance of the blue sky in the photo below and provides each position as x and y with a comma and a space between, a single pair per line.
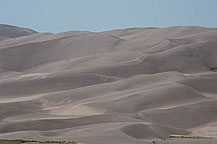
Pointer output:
100, 15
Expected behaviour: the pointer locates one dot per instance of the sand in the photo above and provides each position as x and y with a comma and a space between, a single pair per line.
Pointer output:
131, 86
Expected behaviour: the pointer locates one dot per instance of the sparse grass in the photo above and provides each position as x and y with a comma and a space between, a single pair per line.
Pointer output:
213, 68
35, 142
14, 141
190, 137
154, 142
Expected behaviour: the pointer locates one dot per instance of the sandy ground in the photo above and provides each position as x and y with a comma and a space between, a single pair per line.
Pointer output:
128, 86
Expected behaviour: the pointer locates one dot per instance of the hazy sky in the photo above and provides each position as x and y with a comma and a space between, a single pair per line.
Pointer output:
99, 15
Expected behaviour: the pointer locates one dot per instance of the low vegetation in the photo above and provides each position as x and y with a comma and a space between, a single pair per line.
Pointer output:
190, 137
213, 68
20, 141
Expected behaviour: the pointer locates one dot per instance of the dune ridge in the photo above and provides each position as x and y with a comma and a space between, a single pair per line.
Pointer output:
121, 86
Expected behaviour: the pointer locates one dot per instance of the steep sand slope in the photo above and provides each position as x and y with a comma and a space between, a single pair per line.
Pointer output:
121, 86
13, 31
2, 38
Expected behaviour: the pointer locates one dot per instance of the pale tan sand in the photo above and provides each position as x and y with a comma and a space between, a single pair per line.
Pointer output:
76, 110
188, 141
21, 99
128, 86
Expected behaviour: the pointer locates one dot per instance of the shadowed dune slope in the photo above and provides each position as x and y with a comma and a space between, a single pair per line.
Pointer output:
13, 31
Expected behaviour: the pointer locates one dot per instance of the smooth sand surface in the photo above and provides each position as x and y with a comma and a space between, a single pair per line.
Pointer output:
127, 86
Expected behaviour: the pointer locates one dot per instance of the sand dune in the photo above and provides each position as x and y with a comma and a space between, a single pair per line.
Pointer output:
13, 31
121, 86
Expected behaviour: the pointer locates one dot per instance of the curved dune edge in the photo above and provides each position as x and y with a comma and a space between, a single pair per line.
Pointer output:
121, 86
